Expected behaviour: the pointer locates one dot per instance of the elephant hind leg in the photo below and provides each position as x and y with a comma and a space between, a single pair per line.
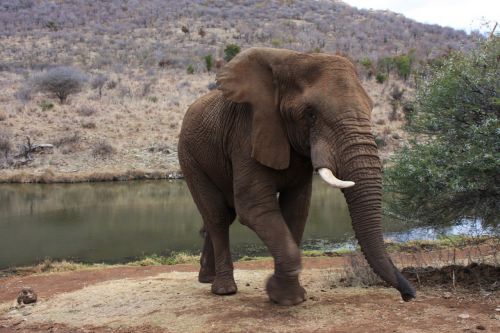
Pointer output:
207, 259
217, 217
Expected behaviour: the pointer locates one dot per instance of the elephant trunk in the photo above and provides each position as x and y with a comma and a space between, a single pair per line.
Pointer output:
356, 161
360, 163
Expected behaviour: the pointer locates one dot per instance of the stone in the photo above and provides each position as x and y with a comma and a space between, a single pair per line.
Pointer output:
27, 296
447, 295
463, 316
481, 327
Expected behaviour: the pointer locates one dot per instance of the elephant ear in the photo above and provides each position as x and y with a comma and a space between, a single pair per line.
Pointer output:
248, 78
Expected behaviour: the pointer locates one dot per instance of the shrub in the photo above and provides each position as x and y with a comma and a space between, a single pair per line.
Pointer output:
190, 69
385, 65
46, 105
231, 51
3, 115
403, 66
450, 172
394, 115
86, 111
367, 66
208, 62
98, 83
102, 149
396, 92
381, 78
89, 124
5, 144
185, 29
111, 85
67, 140
59, 81
381, 141
24, 93
201, 32
52, 26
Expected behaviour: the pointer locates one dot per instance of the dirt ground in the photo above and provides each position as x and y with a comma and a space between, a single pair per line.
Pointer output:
169, 299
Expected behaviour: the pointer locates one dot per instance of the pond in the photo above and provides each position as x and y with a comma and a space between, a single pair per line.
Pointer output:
116, 222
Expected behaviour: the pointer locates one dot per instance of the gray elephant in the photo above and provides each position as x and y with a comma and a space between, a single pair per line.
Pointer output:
250, 149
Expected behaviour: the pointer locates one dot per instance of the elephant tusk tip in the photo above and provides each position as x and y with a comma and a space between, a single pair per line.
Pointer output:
349, 184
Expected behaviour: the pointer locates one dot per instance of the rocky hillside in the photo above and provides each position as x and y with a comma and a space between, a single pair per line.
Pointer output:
118, 33
152, 59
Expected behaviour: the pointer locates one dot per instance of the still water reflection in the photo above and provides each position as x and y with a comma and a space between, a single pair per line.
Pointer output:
113, 222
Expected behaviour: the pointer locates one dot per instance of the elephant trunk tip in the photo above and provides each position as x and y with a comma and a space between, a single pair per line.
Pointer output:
407, 291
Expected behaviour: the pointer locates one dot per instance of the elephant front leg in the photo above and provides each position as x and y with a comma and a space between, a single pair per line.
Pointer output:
294, 204
264, 217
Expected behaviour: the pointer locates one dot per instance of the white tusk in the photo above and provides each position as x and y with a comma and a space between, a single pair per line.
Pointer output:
327, 175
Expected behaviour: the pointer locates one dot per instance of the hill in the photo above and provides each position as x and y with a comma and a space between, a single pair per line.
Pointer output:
151, 54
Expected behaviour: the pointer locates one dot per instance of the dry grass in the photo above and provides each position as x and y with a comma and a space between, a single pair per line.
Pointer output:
49, 266
22, 176
130, 123
174, 259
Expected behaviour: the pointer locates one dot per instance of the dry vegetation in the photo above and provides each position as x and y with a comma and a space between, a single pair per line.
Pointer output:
137, 57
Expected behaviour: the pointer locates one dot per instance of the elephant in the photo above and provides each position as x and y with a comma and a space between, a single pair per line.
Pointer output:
250, 149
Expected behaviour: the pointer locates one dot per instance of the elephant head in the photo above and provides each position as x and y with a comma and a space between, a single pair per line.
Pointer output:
315, 105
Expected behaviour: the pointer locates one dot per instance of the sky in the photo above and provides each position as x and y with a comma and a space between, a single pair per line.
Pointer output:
459, 14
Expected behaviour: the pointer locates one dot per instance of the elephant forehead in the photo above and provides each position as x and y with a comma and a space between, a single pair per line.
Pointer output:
333, 91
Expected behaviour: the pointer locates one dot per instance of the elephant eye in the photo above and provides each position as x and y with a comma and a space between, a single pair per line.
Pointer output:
310, 115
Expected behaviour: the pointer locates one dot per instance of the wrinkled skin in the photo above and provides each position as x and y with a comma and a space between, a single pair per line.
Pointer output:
278, 116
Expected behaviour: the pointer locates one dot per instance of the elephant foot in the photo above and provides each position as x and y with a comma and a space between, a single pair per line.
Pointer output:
224, 284
285, 291
206, 275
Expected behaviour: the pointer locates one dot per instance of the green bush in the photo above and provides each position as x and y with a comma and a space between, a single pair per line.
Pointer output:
231, 51
366, 63
367, 66
403, 66
209, 62
46, 105
451, 169
381, 78
190, 69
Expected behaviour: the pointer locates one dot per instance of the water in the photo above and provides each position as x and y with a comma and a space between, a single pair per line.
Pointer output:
115, 222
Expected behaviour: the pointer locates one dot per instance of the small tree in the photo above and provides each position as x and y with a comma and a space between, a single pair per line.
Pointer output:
59, 81
451, 170
208, 62
5, 144
403, 66
98, 83
367, 66
231, 51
